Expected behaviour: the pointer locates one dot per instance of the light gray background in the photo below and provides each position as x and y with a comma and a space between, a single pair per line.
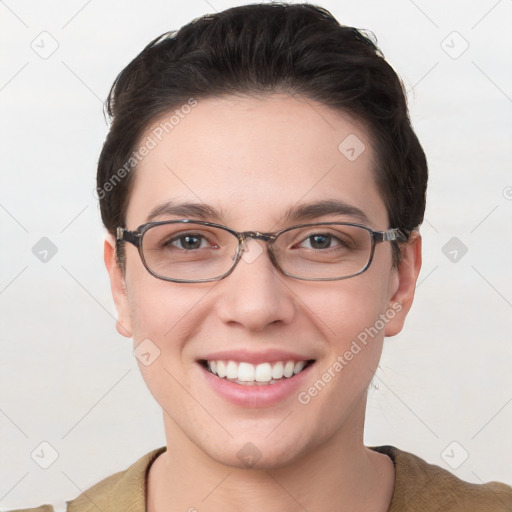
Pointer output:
68, 378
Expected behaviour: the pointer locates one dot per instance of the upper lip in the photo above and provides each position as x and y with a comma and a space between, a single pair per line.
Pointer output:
255, 357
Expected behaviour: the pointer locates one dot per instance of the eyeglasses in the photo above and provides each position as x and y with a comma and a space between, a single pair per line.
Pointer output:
190, 251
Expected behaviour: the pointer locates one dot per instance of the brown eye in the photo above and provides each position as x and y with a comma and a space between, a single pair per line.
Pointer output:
188, 242
320, 241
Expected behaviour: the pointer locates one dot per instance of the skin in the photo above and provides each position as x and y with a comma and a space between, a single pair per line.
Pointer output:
252, 159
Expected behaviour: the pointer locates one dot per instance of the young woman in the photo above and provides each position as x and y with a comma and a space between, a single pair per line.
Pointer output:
262, 189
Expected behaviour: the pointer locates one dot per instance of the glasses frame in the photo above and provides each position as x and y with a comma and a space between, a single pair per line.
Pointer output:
136, 237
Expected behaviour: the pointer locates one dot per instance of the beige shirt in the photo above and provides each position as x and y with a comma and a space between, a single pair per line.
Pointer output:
419, 487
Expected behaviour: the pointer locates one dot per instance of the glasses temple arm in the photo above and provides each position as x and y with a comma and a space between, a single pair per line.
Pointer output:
123, 234
391, 235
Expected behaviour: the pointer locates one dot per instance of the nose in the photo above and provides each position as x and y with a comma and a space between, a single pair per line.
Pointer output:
255, 295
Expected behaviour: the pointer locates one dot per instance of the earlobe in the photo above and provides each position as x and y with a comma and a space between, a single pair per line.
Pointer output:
406, 277
118, 287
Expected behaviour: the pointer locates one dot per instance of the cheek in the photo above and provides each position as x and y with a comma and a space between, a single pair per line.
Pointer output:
348, 315
343, 310
164, 317
162, 311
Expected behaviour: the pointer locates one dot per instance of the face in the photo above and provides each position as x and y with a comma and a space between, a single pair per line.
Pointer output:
255, 162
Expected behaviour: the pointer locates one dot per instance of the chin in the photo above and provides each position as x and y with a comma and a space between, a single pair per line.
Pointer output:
257, 453
250, 457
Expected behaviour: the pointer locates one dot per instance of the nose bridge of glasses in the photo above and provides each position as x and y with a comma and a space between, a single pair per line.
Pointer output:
256, 235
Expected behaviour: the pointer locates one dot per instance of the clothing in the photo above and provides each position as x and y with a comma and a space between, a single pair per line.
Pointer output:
419, 487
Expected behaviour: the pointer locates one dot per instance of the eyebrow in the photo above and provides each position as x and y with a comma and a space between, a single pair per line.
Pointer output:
194, 210
310, 211
297, 213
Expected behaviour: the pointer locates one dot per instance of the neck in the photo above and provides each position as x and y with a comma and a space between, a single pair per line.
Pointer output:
339, 475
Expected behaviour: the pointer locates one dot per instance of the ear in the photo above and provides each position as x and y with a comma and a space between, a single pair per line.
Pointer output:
404, 284
118, 287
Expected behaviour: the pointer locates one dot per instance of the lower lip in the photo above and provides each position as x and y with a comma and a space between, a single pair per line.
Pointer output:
255, 395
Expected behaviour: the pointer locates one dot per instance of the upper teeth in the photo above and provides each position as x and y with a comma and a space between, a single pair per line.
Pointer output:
263, 372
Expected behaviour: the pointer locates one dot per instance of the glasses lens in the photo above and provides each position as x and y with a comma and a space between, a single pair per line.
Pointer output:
330, 251
188, 251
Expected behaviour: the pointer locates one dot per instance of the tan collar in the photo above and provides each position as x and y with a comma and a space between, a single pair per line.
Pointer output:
419, 486
124, 491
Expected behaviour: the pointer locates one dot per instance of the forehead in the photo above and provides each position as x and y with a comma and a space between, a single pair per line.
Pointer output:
254, 158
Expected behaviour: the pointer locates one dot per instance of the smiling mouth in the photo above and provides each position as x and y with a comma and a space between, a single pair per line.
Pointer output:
255, 374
